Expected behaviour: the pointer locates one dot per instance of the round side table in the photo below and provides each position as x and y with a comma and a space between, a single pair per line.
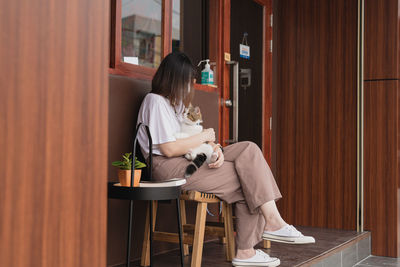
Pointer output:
147, 194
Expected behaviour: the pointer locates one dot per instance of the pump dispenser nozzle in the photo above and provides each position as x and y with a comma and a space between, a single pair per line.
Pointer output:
205, 60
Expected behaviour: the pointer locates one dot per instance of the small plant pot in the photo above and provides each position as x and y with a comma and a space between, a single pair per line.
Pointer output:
124, 177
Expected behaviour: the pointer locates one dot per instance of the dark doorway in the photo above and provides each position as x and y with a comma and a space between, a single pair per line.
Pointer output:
247, 18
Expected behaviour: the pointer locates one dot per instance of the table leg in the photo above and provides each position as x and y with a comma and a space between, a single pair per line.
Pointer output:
128, 253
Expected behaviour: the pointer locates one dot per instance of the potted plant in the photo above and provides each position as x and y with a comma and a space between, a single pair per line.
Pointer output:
125, 167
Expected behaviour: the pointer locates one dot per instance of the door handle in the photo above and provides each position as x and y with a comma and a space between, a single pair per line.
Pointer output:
228, 103
234, 102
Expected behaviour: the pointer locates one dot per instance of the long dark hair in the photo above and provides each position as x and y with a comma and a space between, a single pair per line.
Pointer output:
174, 79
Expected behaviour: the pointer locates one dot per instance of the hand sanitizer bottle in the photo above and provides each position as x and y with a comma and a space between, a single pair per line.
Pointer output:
207, 75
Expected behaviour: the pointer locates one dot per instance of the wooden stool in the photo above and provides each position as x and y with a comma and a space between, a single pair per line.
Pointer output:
194, 234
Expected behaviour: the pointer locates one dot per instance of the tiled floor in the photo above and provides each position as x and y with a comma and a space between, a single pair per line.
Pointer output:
373, 261
328, 243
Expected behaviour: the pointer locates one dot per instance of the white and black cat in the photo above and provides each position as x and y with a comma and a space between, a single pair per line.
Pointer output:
191, 125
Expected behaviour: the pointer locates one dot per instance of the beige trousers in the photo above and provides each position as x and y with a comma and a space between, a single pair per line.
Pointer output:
244, 179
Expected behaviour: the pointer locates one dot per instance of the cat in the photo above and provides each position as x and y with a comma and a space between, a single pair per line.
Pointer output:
191, 125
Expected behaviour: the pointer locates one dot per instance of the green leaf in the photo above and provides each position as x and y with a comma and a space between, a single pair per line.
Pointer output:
126, 163
127, 156
139, 165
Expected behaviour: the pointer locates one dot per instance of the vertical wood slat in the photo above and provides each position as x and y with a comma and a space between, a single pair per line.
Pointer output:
381, 126
381, 47
381, 171
316, 111
53, 132
225, 30
267, 82
118, 31
166, 27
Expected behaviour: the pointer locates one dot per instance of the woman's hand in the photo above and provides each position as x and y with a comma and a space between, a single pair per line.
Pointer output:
220, 160
208, 135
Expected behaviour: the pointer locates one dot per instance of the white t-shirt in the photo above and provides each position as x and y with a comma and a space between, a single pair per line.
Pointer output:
162, 119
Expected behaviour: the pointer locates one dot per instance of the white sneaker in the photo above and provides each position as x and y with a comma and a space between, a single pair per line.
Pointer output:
260, 259
288, 234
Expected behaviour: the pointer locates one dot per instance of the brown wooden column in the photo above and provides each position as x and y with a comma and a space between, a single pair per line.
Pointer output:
381, 183
381, 126
315, 111
53, 132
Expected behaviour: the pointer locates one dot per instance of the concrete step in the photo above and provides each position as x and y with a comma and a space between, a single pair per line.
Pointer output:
333, 248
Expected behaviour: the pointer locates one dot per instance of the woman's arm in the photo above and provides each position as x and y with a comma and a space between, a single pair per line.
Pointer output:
182, 146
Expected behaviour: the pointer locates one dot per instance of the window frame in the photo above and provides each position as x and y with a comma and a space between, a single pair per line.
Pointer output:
136, 71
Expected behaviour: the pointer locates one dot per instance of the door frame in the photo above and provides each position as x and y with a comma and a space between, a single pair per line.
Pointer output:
224, 25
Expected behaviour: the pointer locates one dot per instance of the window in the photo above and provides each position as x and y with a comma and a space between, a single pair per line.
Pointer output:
144, 31
141, 32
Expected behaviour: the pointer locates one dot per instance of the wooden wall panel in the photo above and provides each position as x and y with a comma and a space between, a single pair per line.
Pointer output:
315, 113
381, 166
53, 132
381, 46
381, 129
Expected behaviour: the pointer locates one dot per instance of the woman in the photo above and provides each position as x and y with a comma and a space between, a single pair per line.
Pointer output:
240, 175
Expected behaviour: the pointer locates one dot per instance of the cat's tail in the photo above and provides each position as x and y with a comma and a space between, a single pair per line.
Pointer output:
195, 164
